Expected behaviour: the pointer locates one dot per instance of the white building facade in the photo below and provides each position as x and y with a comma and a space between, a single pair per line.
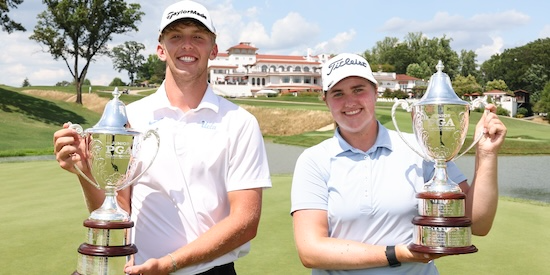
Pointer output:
242, 71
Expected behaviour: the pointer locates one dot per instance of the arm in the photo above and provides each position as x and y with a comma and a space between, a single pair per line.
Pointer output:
482, 195
317, 250
70, 150
235, 230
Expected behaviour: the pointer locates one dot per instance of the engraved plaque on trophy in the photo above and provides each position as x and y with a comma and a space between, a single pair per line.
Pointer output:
112, 157
440, 123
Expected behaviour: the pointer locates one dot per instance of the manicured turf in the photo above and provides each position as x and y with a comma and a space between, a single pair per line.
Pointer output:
41, 214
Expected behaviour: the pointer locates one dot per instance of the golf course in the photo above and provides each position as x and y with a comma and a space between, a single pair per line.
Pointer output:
42, 208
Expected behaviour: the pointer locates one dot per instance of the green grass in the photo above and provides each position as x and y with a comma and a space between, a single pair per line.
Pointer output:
42, 212
523, 137
28, 122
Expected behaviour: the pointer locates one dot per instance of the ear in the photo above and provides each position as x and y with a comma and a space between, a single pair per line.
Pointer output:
214, 52
161, 52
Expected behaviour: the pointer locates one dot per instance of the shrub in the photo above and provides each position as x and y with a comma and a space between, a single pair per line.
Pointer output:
522, 112
502, 112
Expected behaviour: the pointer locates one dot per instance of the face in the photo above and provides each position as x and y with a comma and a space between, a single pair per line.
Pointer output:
351, 102
186, 49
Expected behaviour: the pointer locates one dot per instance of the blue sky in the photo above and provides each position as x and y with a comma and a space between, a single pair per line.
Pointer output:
293, 27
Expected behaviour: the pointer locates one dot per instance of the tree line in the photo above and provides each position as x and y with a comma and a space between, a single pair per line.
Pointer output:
77, 32
522, 68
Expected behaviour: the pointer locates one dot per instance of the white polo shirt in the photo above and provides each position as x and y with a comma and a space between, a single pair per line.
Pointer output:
204, 153
369, 196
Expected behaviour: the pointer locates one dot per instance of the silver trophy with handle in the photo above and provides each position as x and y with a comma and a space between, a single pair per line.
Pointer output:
114, 152
440, 123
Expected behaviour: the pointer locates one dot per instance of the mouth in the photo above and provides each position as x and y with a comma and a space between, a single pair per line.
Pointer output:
187, 59
351, 113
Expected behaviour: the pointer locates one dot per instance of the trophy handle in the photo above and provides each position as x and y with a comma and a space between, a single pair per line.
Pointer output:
476, 103
147, 135
80, 131
405, 105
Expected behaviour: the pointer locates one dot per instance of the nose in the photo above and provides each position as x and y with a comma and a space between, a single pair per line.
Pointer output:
349, 101
186, 43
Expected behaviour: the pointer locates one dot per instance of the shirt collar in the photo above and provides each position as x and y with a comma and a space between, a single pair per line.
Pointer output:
161, 105
341, 145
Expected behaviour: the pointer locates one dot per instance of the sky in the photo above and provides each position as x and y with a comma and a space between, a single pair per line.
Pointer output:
291, 27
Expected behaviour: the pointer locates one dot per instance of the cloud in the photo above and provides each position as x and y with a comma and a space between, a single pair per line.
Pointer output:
289, 32
481, 32
443, 22
486, 51
545, 32
336, 44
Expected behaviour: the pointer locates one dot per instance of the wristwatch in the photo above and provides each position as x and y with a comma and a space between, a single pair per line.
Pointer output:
392, 258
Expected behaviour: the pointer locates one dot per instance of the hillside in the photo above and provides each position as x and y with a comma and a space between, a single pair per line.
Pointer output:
28, 122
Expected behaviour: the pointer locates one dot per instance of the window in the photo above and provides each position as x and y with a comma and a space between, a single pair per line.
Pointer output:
297, 69
286, 79
306, 69
264, 68
281, 69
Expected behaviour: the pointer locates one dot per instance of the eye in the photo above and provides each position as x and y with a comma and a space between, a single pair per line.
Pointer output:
336, 94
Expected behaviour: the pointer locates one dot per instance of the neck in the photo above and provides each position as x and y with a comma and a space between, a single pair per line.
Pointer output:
362, 140
185, 95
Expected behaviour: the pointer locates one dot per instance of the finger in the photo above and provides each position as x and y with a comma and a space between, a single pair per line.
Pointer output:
131, 270
491, 108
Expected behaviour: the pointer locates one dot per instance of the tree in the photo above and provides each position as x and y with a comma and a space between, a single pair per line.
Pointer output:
536, 78
117, 82
466, 85
497, 84
419, 70
543, 105
127, 57
81, 29
513, 65
152, 70
26, 82
7, 23
468, 64
415, 70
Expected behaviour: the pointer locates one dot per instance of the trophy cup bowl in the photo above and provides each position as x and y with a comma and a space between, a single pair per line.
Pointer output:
113, 152
440, 123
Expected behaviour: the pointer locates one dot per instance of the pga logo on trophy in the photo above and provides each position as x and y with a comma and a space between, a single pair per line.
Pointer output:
114, 152
440, 123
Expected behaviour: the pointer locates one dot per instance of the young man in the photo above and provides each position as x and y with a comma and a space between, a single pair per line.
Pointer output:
353, 195
198, 206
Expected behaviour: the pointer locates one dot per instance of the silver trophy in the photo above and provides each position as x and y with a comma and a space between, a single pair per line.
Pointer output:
113, 153
440, 123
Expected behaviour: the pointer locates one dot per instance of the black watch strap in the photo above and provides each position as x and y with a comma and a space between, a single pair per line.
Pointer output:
392, 258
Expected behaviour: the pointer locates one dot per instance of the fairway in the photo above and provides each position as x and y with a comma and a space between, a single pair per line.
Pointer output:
41, 214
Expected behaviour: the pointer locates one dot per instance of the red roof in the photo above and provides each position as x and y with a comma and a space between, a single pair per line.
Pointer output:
495, 92
404, 77
243, 45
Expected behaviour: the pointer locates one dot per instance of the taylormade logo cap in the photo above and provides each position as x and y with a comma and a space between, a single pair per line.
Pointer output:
186, 9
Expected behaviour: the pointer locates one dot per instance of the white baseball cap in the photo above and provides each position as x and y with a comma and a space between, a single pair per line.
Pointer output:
186, 9
345, 65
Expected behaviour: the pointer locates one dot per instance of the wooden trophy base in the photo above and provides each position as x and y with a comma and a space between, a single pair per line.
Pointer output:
105, 251
441, 227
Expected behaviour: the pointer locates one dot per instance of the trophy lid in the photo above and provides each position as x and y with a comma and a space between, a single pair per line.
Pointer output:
440, 90
114, 119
